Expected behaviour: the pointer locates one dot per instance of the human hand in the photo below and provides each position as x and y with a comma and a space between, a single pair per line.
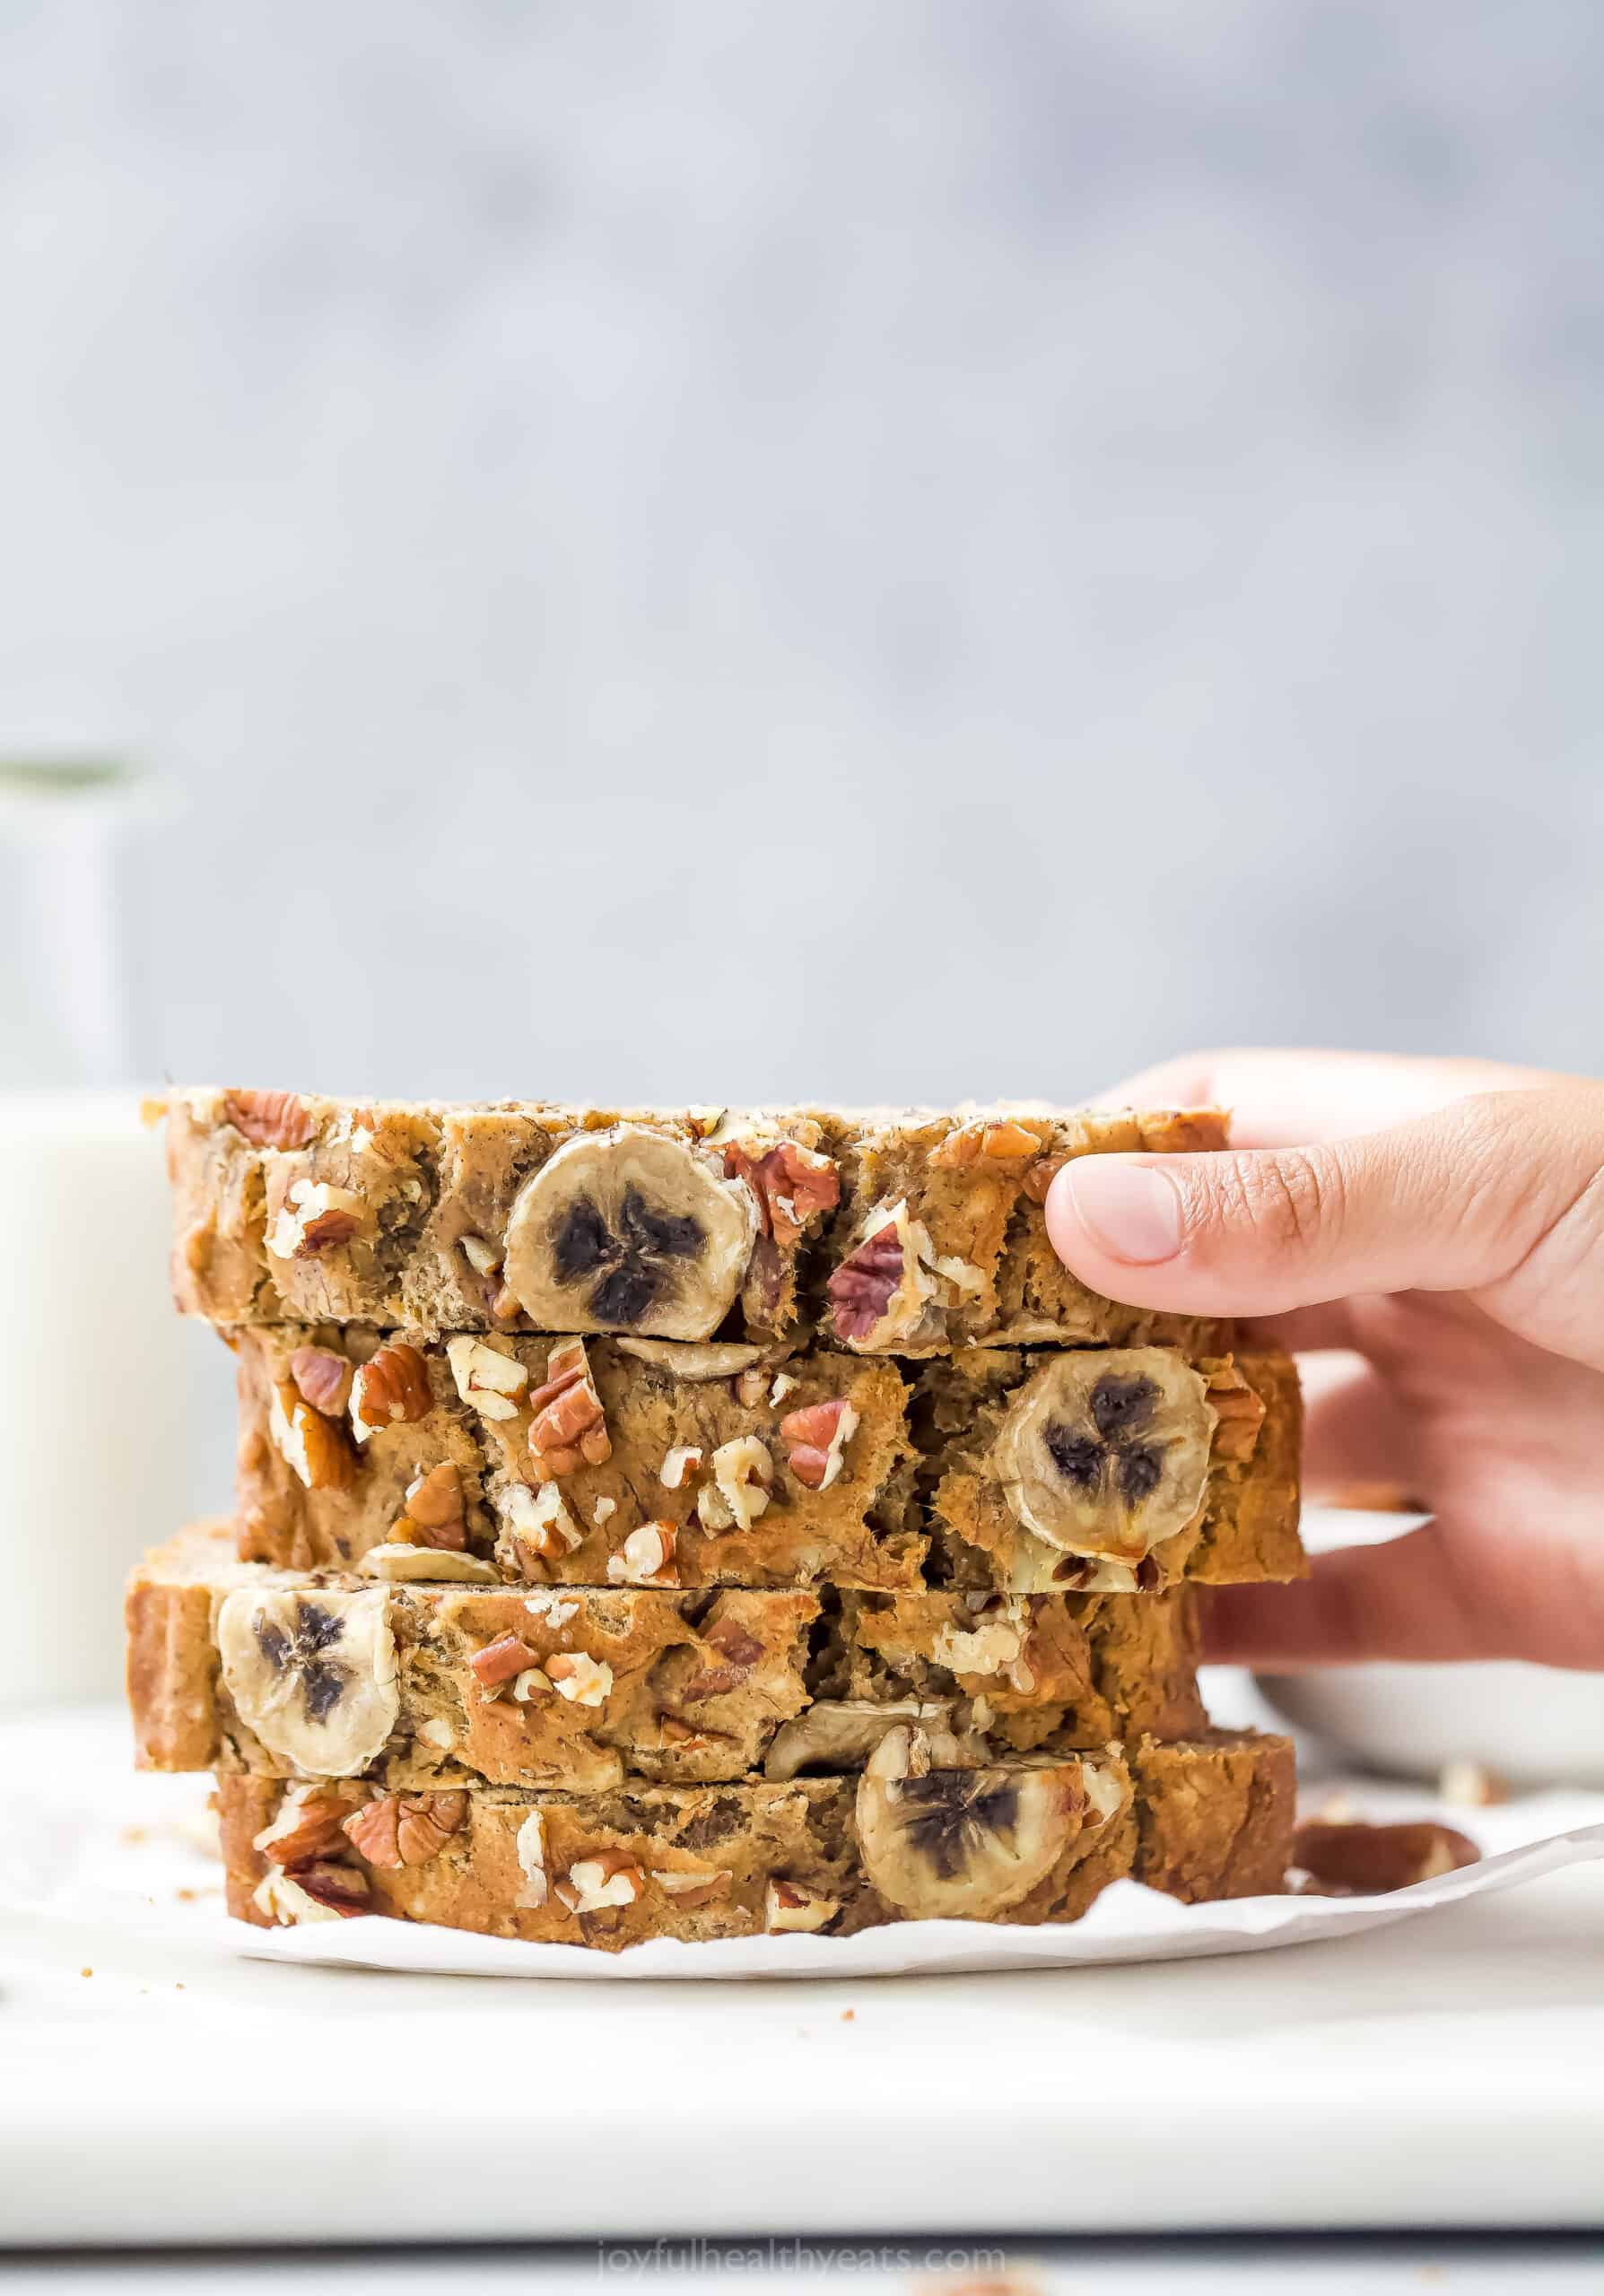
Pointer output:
1445, 1219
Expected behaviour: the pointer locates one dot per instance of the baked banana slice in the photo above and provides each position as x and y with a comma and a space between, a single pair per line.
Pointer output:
630, 1231
1106, 1453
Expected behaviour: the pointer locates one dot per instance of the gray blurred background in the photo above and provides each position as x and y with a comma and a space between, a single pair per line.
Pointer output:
708, 550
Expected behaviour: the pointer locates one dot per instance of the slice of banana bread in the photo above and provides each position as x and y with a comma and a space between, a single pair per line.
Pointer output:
233, 1665
658, 1463
1031, 1840
899, 1234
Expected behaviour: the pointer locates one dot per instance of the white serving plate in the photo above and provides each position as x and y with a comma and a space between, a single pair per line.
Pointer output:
1445, 2071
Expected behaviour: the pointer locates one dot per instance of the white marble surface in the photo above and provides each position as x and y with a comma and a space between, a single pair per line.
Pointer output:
1444, 2073
953, 548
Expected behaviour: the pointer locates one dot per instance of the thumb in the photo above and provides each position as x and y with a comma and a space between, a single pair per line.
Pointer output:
1464, 1199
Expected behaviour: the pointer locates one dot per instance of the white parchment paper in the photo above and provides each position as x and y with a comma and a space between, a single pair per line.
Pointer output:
90, 1843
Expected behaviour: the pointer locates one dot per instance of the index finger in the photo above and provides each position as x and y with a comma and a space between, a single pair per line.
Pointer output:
1287, 1099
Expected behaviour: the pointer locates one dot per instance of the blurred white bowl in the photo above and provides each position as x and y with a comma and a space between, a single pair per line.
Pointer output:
1535, 1725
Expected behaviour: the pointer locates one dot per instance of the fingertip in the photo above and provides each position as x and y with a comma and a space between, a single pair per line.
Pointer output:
1123, 1209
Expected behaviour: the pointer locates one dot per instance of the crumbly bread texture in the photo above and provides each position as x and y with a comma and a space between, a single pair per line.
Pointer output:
905, 1234
656, 1462
235, 1667
1033, 1840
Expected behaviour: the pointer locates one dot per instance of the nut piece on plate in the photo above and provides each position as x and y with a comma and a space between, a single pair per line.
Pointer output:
1471, 1786
961, 1843
1106, 1453
630, 1231
1367, 1861
314, 1676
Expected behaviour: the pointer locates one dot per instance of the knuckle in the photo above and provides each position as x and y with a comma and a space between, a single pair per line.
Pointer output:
1289, 1199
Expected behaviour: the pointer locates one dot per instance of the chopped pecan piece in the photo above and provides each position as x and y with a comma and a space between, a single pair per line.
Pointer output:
792, 1185
732, 1641
343, 1889
488, 1264
406, 1829
646, 1557
435, 1513
765, 1273
1076, 1569
269, 1119
485, 1378
739, 1494
308, 1825
500, 1660
390, 1387
1041, 1175
314, 1219
313, 1447
540, 1521
863, 1287
592, 1884
712, 1682
482, 1258
993, 1140
568, 1428
818, 1435
792, 1905
1240, 1414
692, 1890
324, 1378
582, 1680
1175, 1132
677, 1464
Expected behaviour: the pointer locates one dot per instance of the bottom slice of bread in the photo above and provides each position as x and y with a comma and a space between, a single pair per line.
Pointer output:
1032, 1840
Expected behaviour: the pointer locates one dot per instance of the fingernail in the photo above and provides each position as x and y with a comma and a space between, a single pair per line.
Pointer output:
1131, 1211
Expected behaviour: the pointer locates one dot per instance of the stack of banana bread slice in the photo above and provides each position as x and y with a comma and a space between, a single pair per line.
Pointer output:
702, 1523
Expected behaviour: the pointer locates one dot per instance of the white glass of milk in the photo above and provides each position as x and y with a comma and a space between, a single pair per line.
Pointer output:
102, 1387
